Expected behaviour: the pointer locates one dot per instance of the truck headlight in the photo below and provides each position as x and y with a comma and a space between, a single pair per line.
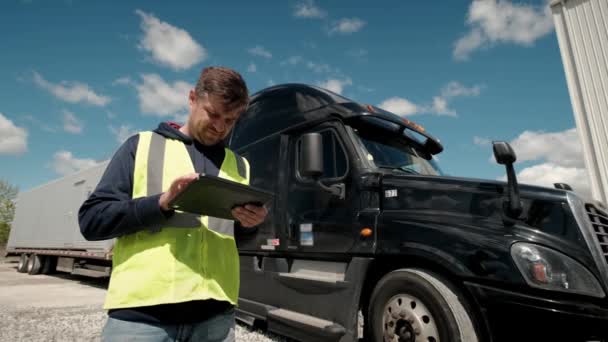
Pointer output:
551, 270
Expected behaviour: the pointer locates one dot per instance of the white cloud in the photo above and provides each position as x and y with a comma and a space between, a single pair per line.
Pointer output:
259, 50
313, 66
293, 60
366, 89
560, 155
561, 148
169, 45
64, 163
13, 139
123, 81
335, 85
252, 68
307, 9
399, 106
160, 98
122, 133
347, 26
72, 92
42, 125
451, 90
440, 107
479, 141
318, 68
547, 174
71, 124
454, 89
465, 45
502, 21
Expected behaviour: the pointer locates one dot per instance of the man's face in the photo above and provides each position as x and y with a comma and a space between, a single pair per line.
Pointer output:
210, 122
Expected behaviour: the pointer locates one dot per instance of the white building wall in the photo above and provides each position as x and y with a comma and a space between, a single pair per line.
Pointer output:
582, 33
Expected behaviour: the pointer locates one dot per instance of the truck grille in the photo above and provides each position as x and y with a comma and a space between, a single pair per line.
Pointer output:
599, 221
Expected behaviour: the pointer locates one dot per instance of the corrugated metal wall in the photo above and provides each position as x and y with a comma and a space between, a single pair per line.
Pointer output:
582, 32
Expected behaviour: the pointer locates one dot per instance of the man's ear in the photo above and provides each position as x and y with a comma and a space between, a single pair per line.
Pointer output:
192, 97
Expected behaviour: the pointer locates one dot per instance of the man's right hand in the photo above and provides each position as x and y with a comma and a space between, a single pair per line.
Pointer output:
176, 187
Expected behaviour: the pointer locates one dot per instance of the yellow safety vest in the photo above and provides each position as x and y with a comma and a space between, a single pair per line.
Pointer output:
192, 257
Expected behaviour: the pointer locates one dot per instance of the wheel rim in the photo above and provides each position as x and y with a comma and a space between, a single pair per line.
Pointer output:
30, 264
22, 263
407, 319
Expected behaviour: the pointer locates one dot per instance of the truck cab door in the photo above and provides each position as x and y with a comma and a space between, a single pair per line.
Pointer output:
317, 220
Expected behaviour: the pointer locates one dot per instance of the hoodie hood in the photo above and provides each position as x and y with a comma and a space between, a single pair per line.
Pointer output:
171, 130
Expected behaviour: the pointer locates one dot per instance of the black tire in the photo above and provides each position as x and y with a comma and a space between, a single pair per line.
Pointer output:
49, 265
417, 305
34, 264
22, 265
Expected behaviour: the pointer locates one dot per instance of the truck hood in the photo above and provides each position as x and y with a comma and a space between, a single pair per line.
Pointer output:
479, 203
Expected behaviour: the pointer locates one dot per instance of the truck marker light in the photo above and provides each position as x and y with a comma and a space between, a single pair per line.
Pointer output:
366, 232
413, 124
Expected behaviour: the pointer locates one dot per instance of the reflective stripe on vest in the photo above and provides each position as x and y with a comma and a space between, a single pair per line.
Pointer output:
190, 257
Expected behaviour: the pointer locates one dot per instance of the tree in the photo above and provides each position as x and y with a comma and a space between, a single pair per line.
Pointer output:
8, 193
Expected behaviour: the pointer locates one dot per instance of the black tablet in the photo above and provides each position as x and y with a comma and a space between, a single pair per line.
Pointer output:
214, 196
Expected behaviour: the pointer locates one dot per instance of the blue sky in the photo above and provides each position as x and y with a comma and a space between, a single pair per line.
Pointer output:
78, 77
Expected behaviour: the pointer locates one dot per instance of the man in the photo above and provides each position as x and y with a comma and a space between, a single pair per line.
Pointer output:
175, 275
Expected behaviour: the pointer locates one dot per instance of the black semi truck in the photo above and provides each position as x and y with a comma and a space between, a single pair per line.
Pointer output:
367, 239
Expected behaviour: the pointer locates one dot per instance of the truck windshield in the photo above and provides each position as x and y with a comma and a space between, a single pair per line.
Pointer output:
390, 151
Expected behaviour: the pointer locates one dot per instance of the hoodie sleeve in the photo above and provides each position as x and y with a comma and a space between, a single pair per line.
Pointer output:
111, 211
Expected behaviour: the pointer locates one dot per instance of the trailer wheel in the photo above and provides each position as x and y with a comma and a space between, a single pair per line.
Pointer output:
22, 265
34, 264
410, 305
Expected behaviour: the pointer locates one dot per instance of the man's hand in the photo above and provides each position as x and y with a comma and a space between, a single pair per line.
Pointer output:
176, 187
250, 215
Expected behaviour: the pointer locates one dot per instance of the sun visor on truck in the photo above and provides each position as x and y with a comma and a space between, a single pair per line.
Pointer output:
396, 124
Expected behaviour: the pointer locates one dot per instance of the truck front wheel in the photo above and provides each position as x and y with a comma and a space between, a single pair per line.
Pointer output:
411, 305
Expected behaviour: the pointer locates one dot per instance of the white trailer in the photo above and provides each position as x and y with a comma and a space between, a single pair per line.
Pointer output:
45, 234
582, 33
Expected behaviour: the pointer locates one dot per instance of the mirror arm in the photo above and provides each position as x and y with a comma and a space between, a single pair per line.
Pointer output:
335, 189
514, 201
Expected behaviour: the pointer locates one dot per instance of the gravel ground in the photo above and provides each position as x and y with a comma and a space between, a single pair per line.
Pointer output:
63, 308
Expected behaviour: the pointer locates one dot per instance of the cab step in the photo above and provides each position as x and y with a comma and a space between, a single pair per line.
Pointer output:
303, 327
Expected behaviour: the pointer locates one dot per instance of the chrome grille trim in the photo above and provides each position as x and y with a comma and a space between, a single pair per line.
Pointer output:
583, 219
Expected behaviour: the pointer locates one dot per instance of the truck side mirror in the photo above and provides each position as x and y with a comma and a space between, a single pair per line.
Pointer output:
504, 154
311, 163
311, 155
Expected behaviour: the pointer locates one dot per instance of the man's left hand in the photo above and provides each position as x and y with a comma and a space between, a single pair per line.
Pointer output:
250, 215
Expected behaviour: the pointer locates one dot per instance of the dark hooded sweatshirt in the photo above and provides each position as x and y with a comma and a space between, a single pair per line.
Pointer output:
111, 212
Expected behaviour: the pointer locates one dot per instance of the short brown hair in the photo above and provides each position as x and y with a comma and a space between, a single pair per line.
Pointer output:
226, 84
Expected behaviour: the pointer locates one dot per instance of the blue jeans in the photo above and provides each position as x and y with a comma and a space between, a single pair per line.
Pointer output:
218, 328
